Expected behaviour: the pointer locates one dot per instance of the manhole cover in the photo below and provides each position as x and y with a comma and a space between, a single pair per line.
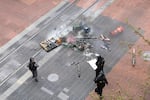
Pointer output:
53, 77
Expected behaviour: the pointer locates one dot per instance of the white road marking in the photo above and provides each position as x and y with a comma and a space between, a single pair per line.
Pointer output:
47, 90
63, 96
16, 71
108, 3
30, 28
93, 15
15, 86
66, 90
28, 74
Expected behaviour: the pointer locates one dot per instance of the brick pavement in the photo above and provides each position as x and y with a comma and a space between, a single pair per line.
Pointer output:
16, 15
85, 3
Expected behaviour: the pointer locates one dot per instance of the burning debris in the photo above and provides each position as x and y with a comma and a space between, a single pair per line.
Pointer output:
77, 38
50, 44
73, 41
70, 39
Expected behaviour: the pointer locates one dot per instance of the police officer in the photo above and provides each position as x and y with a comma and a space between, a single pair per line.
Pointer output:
100, 64
33, 68
100, 82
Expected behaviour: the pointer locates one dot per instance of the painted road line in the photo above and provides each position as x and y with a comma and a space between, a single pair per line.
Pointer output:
30, 28
28, 74
66, 90
18, 69
87, 14
47, 90
100, 10
65, 33
15, 86
63, 96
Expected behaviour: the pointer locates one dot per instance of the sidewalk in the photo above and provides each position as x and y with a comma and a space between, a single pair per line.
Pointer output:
16, 15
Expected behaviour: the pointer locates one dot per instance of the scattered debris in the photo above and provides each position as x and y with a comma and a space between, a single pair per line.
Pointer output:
118, 30
146, 55
133, 57
104, 38
106, 47
77, 37
50, 44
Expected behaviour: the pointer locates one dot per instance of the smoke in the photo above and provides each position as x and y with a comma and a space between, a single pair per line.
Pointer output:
71, 39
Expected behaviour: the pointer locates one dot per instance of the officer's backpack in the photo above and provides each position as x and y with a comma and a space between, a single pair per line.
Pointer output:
100, 77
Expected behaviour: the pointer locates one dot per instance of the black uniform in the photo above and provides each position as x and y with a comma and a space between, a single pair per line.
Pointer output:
100, 81
33, 68
100, 64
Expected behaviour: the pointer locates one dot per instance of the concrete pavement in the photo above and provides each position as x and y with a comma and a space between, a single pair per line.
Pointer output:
104, 21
